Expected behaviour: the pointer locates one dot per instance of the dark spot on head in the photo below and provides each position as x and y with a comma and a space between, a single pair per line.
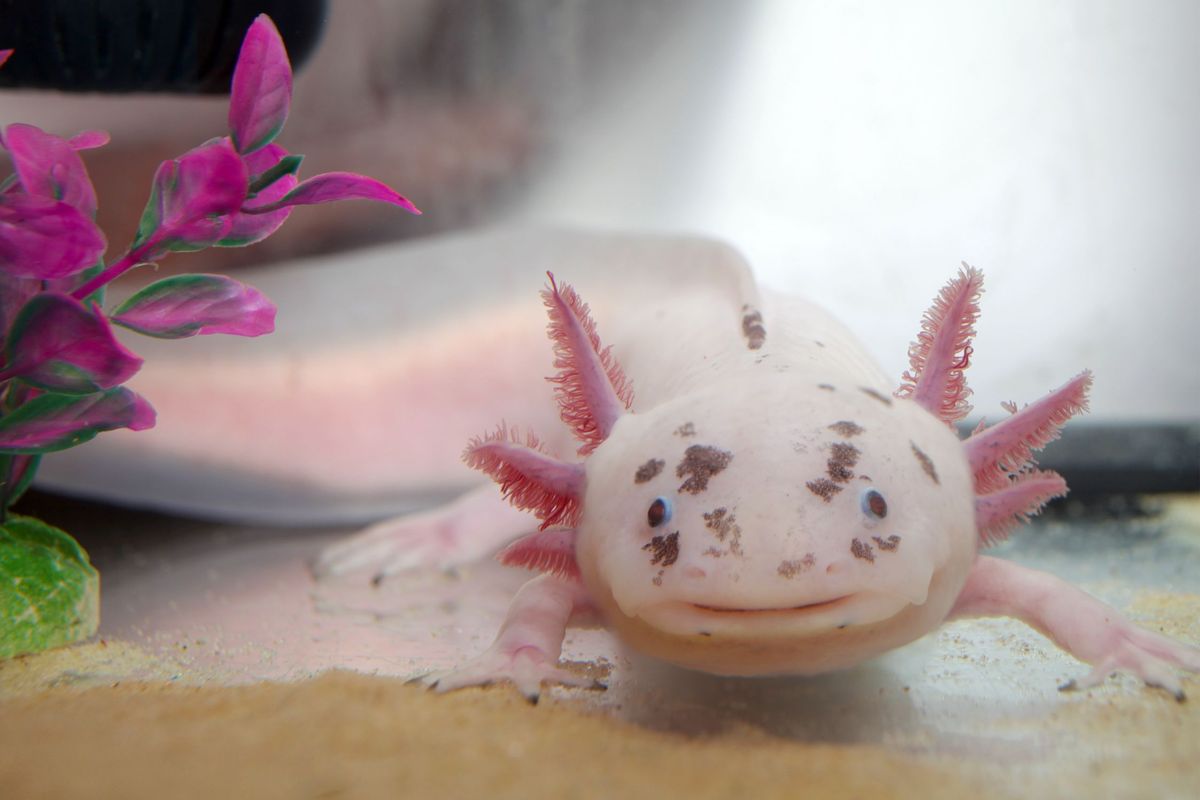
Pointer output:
648, 470
846, 428
861, 549
889, 544
869, 392
686, 429
792, 568
753, 330
725, 526
701, 462
664, 550
926, 463
823, 488
826, 386
843, 456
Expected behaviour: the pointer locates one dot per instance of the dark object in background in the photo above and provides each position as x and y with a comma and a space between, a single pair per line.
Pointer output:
111, 46
1101, 460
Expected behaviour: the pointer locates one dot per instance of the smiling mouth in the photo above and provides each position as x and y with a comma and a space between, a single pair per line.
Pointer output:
739, 622
823, 605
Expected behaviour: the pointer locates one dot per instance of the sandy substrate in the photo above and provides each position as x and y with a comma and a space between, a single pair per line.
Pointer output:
345, 735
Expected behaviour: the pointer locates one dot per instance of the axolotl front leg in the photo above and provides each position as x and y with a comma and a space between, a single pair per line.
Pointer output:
1088, 629
528, 646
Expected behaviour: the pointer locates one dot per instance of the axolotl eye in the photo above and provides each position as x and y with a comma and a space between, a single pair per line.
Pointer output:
660, 512
873, 504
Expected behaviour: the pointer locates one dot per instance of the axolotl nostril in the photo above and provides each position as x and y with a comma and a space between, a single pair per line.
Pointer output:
753, 497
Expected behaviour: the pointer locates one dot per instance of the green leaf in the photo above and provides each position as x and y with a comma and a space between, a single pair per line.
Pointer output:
288, 165
49, 590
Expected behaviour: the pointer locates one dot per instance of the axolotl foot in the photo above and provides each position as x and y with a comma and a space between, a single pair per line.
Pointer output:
1147, 655
447, 537
527, 668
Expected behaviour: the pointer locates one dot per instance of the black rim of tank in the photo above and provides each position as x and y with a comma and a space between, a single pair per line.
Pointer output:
113, 46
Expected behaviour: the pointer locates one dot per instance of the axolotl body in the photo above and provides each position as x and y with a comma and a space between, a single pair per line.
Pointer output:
753, 496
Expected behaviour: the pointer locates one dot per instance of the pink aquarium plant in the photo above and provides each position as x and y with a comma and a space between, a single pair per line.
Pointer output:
62, 367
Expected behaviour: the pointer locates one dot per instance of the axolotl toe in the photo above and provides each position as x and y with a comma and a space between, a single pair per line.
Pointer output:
759, 501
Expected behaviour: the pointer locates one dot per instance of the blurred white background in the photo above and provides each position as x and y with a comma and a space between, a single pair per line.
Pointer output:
854, 151
857, 152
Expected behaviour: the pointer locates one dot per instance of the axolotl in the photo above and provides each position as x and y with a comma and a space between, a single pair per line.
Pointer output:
752, 496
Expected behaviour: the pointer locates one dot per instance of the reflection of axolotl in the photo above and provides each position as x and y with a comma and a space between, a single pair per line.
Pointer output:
766, 504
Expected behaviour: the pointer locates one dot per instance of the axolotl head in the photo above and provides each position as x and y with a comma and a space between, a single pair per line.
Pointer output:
827, 523
830, 524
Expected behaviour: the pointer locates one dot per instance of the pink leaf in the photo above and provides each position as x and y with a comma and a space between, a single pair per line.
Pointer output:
45, 238
186, 305
48, 166
4, 54
262, 87
57, 343
248, 228
333, 186
193, 196
89, 140
52, 422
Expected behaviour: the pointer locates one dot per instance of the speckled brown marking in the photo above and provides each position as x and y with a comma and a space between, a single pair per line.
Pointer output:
664, 550
686, 429
829, 387
715, 552
657, 579
846, 428
862, 550
648, 470
753, 330
926, 463
792, 568
700, 462
869, 392
889, 544
843, 457
823, 488
725, 526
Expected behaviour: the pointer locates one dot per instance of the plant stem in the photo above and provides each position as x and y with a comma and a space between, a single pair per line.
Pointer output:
120, 266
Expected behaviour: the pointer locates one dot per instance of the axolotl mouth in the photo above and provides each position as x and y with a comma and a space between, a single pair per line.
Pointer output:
684, 618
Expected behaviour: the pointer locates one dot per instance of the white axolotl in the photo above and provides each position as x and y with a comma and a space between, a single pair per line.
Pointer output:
755, 498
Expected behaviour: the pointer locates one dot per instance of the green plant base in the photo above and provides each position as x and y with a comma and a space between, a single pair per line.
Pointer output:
49, 590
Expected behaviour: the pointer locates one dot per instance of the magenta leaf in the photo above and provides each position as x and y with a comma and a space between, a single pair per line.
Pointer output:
262, 87
57, 343
45, 238
192, 198
273, 173
48, 166
332, 186
52, 422
14, 294
186, 305
4, 54
89, 140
